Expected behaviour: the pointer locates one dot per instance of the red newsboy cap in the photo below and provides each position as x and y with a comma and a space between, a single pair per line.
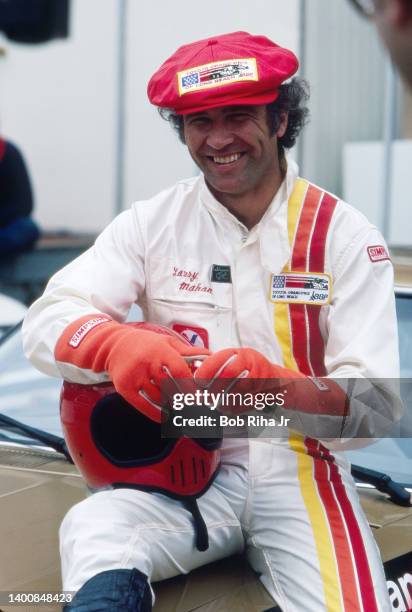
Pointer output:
226, 70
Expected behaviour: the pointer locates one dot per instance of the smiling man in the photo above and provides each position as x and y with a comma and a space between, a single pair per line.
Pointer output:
238, 157
266, 276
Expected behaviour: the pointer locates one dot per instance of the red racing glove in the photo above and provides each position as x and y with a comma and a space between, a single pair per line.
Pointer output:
135, 356
250, 372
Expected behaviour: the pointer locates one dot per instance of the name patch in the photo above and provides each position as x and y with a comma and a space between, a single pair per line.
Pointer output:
217, 74
191, 282
301, 288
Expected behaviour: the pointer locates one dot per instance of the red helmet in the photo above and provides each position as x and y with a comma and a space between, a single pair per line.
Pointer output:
115, 445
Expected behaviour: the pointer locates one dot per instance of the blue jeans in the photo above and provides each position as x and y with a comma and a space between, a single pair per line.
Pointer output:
119, 590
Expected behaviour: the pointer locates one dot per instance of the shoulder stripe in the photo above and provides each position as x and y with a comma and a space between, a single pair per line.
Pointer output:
300, 248
300, 330
295, 205
317, 264
318, 242
282, 315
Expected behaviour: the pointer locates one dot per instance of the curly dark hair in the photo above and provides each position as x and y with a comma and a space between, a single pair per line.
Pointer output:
292, 100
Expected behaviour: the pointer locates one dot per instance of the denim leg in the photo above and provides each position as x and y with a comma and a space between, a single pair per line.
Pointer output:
118, 590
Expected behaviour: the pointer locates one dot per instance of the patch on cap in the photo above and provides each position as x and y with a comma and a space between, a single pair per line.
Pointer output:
217, 74
227, 70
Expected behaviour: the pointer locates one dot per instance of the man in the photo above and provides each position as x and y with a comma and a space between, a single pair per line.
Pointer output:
394, 22
278, 279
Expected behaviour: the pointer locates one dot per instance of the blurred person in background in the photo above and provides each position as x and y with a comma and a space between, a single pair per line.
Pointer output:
18, 231
393, 19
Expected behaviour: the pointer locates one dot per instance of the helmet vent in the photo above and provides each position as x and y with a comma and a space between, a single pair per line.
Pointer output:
182, 473
194, 469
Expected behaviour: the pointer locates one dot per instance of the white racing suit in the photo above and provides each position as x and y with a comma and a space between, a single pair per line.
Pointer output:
290, 502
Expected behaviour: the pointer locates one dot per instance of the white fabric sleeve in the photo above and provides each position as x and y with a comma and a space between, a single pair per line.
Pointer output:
108, 278
362, 352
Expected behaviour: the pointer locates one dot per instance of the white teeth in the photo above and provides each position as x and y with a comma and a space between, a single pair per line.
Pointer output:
227, 159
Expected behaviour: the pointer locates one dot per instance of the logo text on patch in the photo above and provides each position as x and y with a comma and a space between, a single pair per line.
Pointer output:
377, 252
220, 274
84, 329
301, 288
217, 74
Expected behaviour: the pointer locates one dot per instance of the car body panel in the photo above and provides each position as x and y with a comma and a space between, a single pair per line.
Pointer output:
37, 488
385, 517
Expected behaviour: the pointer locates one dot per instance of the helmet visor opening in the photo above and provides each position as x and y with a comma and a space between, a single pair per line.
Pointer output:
124, 435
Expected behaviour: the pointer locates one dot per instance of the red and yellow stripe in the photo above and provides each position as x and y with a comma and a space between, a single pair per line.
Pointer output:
299, 312
282, 320
342, 557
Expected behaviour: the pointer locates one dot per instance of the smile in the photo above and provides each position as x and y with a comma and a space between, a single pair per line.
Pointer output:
226, 159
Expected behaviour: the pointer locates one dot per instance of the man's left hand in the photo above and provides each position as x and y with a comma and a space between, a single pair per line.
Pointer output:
245, 370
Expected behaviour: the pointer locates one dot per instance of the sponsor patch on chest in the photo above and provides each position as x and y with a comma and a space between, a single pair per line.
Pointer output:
220, 274
301, 288
197, 336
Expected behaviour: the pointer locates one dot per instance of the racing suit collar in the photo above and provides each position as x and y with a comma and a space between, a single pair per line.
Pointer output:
272, 229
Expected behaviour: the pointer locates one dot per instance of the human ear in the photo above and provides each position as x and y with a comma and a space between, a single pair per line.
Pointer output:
283, 124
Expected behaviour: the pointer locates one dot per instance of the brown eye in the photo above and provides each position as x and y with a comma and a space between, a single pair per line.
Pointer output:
198, 121
240, 116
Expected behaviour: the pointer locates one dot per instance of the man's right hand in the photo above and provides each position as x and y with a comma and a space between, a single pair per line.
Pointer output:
135, 356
